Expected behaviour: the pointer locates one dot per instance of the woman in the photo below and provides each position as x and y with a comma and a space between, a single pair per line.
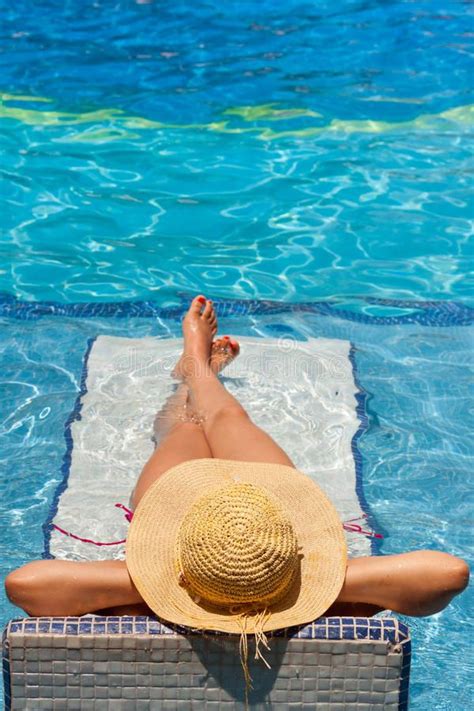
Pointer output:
216, 426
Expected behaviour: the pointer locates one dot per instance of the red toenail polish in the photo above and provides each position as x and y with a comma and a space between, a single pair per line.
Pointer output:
226, 338
202, 300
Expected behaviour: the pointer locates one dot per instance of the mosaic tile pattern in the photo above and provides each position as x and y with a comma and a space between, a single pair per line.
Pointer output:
137, 663
424, 313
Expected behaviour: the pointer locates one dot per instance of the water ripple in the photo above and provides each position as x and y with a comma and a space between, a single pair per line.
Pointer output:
289, 220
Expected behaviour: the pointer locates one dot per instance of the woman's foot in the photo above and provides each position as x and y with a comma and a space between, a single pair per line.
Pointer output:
199, 328
199, 352
223, 352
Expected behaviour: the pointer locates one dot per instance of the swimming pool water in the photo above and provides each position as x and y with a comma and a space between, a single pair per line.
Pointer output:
293, 150
316, 153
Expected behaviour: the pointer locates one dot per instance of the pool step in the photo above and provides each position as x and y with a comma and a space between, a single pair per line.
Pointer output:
98, 663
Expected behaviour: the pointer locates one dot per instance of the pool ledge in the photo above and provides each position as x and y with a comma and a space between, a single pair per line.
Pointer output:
98, 663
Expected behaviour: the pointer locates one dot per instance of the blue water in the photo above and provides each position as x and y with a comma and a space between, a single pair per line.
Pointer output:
292, 152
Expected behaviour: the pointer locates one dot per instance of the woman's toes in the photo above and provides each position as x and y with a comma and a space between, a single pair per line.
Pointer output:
208, 310
197, 304
227, 345
222, 354
220, 344
234, 345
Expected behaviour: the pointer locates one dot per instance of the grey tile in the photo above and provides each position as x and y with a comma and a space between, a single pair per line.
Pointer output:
101, 642
156, 692
127, 705
101, 680
59, 691
143, 692
101, 667
125, 671
74, 705
128, 692
101, 705
73, 642
45, 692
115, 692
87, 680
87, 692
102, 692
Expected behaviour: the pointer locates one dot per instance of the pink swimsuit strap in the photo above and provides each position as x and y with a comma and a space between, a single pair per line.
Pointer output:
357, 528
128, 516
347, 525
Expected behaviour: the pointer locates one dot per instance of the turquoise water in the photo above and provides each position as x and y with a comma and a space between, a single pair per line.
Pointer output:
299, 152
293, 151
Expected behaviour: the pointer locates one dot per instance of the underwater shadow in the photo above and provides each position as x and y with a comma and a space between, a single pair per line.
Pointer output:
220, 656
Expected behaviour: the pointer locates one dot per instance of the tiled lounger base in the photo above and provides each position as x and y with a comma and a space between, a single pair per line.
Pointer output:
135, 663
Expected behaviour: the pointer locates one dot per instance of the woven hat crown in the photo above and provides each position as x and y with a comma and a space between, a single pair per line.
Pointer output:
237, 546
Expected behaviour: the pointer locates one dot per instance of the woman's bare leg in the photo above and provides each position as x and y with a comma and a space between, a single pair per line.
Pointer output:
230, 432
178, 431
183, 441
179, 438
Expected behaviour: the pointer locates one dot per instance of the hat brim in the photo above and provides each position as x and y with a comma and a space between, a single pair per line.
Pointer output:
151, 543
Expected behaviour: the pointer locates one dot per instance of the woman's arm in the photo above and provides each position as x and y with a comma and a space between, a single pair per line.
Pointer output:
64, 587
417, 583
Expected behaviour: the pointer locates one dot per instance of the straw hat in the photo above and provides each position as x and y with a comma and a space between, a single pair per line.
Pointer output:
214, 539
